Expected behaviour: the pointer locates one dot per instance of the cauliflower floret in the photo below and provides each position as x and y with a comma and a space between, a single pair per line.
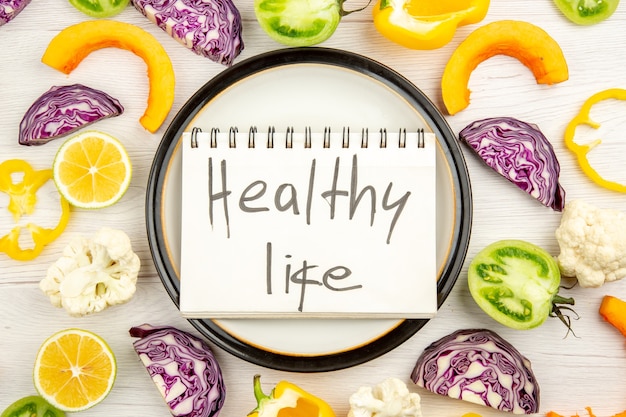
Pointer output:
93, 273
592, 243
390, 398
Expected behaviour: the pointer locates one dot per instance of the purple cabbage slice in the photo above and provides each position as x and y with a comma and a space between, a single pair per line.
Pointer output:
210, 28
479, 366
11, 8
519, 152
183, 368
63, 110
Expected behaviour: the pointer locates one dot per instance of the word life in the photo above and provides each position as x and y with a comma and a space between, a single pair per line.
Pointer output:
307, 276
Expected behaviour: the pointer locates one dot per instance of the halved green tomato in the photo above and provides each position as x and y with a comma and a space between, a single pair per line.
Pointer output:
100, 8
32, 406
299, 22
587, 12
515, 282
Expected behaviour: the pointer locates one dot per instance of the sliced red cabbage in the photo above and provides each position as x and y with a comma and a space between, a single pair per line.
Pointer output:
479, 366
63, 110
183, 368
210, 28
521, 153
11, 8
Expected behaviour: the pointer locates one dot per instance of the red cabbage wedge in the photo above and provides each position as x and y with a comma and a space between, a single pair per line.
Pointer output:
11, 8
479, 366
519, 152
63, 110
183, 368
210, 28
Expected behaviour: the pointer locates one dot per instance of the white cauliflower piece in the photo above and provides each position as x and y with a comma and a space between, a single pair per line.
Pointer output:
93, 273
390, 398
592, 243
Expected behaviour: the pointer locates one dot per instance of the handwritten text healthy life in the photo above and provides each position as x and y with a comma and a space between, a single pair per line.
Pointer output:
295, 232
287, 198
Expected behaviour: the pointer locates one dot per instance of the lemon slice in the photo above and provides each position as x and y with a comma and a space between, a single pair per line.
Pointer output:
74, 370
92, 170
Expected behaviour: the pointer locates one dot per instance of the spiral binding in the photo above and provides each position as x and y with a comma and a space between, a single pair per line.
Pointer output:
271, 133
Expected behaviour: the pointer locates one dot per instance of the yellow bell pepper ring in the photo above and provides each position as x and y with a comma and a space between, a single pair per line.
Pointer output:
288, 400
20, 182
425, 24
581, 150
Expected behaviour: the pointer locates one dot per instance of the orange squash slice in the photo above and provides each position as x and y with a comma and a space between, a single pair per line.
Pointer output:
613, 310
70, 46
528, 43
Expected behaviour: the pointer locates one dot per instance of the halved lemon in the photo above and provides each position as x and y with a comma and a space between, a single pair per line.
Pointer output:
74, 370
92, 170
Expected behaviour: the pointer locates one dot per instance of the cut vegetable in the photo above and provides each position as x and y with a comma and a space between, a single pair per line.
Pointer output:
299, 22
74, 370
25, 189
479, 366
287, 399
68, 48
11, 8
582, 150
100, 8
183, 369
528, 43
520, 153
591, 243
210, 28
93, 273
516, 284
587, 12
32, 406
391, 397
613, 310
589, 413
63, 110
425, 24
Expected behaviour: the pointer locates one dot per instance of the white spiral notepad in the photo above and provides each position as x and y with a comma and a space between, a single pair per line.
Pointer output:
308, 224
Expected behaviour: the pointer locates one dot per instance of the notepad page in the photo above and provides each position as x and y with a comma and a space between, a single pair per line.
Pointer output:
308, 232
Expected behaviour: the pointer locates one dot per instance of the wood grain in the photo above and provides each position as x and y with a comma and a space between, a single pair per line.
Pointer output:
574, 372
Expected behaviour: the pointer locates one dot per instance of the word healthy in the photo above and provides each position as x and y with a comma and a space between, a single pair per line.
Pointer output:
286, 196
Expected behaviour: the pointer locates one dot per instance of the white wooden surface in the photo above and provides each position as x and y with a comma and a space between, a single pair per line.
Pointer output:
573, 372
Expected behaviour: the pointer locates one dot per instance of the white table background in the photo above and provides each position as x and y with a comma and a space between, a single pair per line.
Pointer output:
573, 372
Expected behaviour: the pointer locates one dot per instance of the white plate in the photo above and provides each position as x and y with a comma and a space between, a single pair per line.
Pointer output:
315, 87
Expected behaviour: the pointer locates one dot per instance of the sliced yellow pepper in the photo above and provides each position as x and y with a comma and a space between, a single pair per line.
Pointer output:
591, 414
581, 151
426, 24
21, 182
288, 400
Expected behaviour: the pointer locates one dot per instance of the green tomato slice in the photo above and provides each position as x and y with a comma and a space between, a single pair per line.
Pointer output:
100, 8
32, 406
514, 282
298, 22
587, 12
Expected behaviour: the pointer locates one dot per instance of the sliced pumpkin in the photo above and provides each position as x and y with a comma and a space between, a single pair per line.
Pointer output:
613, 310
70, 46
528, 43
